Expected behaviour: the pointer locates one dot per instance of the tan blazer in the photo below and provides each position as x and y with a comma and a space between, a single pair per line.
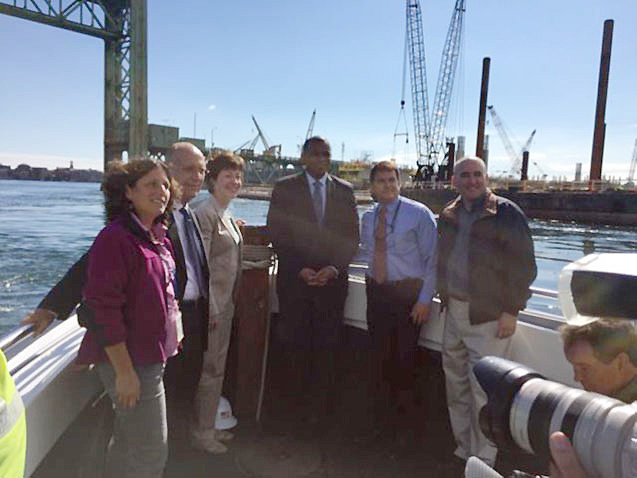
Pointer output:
224, 256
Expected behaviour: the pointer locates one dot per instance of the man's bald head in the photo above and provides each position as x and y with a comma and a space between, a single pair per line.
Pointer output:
182, 149
188, 166
467, 160
470, 179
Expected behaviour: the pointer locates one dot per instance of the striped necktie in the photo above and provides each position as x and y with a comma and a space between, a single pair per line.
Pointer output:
379, 266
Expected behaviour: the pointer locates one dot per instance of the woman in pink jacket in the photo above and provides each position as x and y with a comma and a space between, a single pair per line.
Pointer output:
131, 314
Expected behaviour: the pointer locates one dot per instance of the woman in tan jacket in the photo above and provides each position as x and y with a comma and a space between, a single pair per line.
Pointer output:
222, 243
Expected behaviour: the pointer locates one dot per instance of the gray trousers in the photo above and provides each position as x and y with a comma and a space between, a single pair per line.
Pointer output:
463, 344
139, 445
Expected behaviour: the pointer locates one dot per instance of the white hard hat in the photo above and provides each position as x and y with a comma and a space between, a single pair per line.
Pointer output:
224, 419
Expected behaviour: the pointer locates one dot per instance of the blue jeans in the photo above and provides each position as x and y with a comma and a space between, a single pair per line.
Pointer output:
139, 445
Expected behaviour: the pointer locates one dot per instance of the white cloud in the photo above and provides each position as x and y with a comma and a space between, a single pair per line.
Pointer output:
212, 107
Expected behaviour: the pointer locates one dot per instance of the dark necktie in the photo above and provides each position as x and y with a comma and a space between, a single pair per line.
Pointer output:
317, 200
379, 266
195, 252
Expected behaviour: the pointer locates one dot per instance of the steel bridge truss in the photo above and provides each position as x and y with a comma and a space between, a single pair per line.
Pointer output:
265, 171
122, 26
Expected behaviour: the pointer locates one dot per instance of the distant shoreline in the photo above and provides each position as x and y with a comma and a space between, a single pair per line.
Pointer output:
51, 180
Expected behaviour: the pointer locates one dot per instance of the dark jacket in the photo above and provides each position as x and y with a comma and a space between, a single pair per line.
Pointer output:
628, 394
298, 239
125, 295
501, 257
67, 293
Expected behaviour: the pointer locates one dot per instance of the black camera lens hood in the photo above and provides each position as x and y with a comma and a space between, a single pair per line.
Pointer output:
500, 379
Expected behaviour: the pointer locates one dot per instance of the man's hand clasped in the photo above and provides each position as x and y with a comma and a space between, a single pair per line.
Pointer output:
320, 278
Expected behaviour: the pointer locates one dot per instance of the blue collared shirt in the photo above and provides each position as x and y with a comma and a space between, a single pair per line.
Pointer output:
411, 243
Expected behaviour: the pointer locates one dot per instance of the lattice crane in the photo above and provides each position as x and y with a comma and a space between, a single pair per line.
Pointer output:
429, 129
415, 44
274, 150
310, 126
446, 77
633, 164
516, 157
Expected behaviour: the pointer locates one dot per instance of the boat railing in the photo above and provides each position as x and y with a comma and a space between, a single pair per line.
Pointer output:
359, 268
14, 337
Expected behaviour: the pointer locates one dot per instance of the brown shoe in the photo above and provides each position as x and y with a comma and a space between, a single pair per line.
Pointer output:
224, 435
209, 445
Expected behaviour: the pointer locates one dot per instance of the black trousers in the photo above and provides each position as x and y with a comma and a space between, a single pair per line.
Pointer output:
311, 335
184, 370
394, 339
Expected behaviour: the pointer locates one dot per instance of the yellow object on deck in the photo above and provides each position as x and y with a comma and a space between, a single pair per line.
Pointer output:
13, 428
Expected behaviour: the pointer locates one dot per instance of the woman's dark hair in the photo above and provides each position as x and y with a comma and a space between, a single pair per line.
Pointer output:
220, 161
119, 175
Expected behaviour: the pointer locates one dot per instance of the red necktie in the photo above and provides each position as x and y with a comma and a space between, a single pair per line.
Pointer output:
379, 267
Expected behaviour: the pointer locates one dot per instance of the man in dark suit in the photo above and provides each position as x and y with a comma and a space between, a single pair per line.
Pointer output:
313, 225
187, 166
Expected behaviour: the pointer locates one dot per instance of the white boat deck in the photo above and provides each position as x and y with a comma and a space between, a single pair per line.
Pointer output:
55, 392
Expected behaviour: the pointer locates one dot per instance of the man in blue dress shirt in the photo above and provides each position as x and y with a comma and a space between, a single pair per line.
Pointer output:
398, 243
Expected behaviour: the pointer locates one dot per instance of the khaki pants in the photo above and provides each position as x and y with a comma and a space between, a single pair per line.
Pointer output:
463, 345
211, 381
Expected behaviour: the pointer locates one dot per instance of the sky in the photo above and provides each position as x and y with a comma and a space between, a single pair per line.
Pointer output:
224, 61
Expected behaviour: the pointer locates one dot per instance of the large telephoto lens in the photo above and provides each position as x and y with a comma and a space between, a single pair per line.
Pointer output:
524, 409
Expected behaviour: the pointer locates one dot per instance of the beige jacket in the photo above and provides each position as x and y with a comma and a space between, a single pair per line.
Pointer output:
223, 253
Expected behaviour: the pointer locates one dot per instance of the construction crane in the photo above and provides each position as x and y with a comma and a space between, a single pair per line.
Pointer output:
633, 164
446, 77
270, 151
516, 157
429, 130
246, 150
310, 127
415, 44
544, 175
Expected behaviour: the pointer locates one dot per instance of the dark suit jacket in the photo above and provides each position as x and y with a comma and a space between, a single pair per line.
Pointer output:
67, 294
298, 239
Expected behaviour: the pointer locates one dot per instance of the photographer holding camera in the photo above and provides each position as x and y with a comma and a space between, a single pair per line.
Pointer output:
587, 433
603, 354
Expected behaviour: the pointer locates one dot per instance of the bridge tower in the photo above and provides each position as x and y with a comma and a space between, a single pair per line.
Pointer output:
122, 26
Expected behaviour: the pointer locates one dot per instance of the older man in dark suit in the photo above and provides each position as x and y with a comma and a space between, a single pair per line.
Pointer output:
313, 225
